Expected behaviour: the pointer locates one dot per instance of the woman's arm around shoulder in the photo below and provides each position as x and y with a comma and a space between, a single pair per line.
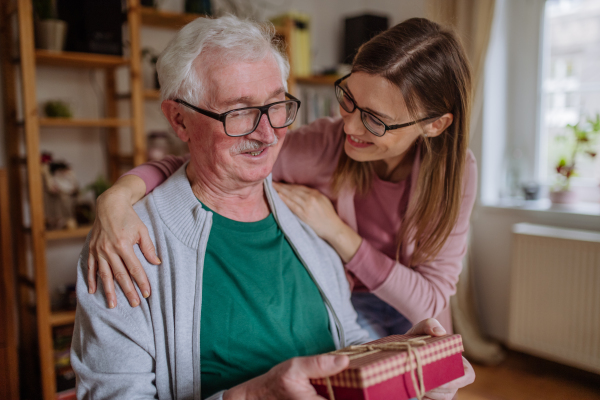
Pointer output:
154, 173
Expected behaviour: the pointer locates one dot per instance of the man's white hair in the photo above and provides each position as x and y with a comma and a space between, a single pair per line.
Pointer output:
228, 38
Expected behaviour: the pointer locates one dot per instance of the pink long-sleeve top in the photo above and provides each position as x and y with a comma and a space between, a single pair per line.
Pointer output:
309, 157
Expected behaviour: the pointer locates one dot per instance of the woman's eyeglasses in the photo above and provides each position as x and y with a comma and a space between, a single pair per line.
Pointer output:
376, 126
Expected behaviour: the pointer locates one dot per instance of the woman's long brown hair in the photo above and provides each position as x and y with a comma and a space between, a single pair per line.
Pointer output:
428, 64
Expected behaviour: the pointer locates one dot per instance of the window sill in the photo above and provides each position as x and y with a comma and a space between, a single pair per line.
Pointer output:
545, 206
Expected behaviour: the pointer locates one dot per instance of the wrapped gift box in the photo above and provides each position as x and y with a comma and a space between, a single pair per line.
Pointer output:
383, 369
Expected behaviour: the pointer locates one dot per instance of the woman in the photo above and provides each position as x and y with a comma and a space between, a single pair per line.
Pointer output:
390, 185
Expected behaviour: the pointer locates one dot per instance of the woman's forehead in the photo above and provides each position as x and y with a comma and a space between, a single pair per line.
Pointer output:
375, 93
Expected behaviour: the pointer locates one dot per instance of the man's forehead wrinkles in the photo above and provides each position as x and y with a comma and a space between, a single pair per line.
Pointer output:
250, 99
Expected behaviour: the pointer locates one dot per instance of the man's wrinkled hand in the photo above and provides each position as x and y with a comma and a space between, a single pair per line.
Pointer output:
289, 380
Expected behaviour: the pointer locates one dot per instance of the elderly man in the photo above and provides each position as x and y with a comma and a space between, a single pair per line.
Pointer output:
244, 285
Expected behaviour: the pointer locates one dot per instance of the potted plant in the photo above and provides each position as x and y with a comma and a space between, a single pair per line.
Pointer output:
99, 186
50, 32
578, 143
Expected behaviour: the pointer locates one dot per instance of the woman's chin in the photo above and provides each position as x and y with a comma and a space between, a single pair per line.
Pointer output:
359, 155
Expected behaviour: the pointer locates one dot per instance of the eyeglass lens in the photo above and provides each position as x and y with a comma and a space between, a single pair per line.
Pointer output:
373, 124
243, 122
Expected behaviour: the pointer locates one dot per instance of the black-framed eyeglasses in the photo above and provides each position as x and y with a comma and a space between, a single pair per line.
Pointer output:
244, 121
376, 126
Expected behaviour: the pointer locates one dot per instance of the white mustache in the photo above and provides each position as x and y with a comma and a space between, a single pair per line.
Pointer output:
252, 144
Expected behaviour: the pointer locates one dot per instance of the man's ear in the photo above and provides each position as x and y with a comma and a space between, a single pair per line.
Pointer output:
439, 125
176, 117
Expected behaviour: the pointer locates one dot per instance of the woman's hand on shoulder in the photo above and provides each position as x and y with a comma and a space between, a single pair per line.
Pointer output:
116, 230
311, 206
315, 209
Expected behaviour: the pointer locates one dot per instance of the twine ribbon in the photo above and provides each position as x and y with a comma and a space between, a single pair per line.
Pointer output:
354, 352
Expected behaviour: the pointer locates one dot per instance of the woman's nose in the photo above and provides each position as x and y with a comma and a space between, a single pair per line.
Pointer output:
353, 125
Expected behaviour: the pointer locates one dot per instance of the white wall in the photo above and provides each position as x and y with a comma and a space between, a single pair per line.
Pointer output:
84, 149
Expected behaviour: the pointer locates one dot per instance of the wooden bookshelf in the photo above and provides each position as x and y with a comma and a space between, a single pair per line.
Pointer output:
58, 234
152, 94
58, 318
23, 144
85, 123
9, 359
166, 19
318, 80
78, 60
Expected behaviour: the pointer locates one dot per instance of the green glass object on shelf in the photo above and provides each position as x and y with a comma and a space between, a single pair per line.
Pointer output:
198, 7
57, 109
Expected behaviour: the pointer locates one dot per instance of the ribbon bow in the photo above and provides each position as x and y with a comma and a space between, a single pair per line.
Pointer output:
354, 352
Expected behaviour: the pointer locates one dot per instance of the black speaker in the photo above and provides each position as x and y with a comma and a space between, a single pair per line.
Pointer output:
93, 26
359, 30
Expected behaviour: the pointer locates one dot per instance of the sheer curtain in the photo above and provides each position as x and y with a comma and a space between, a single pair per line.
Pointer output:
472, 20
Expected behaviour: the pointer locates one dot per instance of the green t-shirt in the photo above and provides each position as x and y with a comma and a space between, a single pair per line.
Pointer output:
260, 306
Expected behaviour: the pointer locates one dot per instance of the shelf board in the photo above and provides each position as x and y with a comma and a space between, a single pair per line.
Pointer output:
149, 94
58, 318
318, 80
122, 159
79, 232
152, 94
165, 19
78, 60
85, 123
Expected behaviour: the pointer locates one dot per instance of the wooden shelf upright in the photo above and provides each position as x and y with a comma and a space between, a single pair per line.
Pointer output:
23, 143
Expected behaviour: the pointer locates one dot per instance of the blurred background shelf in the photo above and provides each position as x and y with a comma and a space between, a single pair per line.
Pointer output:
78, 232
152, 94
318, 80
166, 19
58, 318
78, 60
85, 123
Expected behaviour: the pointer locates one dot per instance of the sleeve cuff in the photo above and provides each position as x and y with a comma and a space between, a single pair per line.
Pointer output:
150, 174
371, 266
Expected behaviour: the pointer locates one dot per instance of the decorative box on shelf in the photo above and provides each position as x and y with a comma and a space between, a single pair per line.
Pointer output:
398, 367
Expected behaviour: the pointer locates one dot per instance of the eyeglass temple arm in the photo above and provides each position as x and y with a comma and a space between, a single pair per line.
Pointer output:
218, 117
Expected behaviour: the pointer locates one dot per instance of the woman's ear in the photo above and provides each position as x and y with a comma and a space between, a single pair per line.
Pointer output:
176, 117
438, 126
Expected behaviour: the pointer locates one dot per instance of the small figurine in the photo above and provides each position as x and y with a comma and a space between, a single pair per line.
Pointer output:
60, 193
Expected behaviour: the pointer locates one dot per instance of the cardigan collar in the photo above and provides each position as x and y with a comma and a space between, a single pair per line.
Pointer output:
180, 210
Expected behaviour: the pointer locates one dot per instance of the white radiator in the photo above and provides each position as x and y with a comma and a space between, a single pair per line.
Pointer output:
555, 295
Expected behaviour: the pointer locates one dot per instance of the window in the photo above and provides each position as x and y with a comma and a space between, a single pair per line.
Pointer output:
570, 89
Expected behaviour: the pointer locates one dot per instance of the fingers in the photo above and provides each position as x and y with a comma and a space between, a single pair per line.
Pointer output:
107, 282
321, 366
147, 247
293, 190
469, 374
429, 326
122, 277
92, 269
137, 271
448, 390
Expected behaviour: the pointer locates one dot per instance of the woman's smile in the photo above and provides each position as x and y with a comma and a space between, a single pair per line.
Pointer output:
356, 142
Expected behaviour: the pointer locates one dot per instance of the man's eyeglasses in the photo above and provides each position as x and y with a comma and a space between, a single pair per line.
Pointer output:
244, 121
376, 126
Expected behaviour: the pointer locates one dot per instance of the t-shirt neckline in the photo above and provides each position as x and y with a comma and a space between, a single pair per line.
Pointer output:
220, 221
